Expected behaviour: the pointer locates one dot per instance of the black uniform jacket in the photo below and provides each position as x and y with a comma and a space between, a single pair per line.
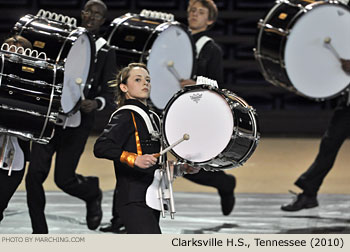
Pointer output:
209, 63
119, 136
104, 71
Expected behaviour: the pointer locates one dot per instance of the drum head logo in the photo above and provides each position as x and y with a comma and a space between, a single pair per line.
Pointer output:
196, 97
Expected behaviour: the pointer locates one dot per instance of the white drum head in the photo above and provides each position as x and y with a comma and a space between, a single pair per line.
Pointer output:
312, 67
77, 66
206, 117
173, 44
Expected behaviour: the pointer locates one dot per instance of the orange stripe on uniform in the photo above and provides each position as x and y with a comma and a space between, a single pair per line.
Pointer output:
138, 144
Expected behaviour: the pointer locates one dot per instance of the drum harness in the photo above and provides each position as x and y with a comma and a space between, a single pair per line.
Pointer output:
159, 194
201, 43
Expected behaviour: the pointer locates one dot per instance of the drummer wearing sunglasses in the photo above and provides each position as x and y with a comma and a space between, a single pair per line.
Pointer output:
93, 16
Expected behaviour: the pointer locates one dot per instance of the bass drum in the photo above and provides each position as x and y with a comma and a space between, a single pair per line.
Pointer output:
65, 45
30, 95
157, 43
222, 127
299, 45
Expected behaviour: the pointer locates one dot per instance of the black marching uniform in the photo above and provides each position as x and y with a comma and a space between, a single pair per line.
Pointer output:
209, 64
333, 138
209, 61
132, 182
9, 184
69, 145
338, 130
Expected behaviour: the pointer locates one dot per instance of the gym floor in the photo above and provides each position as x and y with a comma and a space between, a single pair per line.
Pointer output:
262, 186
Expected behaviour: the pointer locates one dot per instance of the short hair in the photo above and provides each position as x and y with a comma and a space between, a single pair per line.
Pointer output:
122, 78
99, 2
20, 40
209, 4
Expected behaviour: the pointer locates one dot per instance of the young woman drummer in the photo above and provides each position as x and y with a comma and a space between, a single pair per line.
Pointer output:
128, 142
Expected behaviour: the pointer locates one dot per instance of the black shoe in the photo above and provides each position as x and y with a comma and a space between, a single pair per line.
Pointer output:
114, 227
301, 201
94, 212
227, 197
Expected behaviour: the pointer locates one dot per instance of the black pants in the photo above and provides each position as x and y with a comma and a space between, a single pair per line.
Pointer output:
69, 145
138, 218
218, 179
115, 215
338, 130
8, 186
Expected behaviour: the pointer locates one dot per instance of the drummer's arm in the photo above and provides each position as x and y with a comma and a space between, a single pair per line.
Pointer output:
106, 95
109, 144
88, 105
345, 65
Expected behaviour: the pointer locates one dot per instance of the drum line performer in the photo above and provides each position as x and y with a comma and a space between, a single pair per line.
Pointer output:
338, 130
201, 16
333, 138
128, 141
9, 182
68, 143
209, 64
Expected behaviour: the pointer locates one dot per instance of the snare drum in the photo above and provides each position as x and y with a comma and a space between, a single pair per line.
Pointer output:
157, 43
223, 128
30, 96
292, 51
64, 45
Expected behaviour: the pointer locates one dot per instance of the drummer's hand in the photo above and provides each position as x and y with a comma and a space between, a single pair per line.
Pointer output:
345, 65
88, 105
187, 82
145, 161
190, 169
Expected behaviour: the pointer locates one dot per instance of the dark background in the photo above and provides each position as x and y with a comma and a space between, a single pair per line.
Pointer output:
280, 112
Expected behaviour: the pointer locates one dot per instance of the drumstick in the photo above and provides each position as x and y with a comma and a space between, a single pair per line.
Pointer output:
79, 82
185, 137
327, 41
172, 69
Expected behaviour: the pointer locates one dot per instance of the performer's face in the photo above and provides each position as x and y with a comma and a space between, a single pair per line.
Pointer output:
198, 18
92, 17
138, 85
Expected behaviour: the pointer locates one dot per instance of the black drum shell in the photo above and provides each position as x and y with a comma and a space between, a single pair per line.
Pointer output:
47, 36
133, 35
29, 96
55, 39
